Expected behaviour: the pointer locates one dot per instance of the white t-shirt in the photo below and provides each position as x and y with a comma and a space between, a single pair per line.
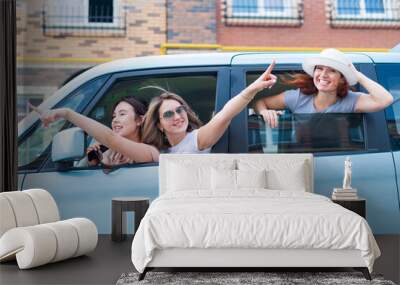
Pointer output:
188, 145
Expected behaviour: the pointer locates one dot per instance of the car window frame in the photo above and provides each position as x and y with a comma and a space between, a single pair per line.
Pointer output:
374, 143
378, 139
47, 151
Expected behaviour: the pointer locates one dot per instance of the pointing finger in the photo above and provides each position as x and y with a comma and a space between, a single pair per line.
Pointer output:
266, 74
271, 67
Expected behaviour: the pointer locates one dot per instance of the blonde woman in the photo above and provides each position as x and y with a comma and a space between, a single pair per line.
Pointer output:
173, 127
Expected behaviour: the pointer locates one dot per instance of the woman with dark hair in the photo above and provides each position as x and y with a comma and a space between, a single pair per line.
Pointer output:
325, 88
127, 118
124, 139
173, 127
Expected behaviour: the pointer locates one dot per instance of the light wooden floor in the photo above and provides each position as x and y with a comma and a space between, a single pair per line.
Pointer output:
111, 259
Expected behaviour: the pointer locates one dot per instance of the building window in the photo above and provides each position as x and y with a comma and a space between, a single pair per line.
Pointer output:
84, 17
259, 8
262, 12
101, 11
368, 13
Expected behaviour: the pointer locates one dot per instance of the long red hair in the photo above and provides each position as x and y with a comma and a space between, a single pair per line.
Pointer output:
306, 84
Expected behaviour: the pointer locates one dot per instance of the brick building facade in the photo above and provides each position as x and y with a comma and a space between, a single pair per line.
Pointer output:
140, 30
306, 24
315, 28
56, 39
191, 21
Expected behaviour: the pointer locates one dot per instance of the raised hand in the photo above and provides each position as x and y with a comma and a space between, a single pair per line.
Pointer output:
49, 116
355, 71
266, 80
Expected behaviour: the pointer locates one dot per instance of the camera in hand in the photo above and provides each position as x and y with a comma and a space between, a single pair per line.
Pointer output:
94, 154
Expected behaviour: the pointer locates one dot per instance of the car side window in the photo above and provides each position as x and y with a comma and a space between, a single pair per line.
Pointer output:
300, 133
198, 90
389, 76
310, 133
31, 149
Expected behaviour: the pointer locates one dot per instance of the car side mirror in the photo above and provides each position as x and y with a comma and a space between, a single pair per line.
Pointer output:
67, 147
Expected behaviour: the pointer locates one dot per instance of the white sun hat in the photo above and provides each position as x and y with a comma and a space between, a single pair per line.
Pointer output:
333, 58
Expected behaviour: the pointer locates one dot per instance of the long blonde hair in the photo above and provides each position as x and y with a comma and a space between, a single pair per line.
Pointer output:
151, 133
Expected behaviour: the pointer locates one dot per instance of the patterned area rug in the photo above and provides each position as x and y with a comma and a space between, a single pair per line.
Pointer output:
269, 278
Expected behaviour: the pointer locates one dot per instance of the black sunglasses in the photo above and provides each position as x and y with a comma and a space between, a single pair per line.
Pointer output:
171, 113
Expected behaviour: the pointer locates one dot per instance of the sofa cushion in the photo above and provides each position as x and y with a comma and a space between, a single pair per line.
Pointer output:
31, 233
40, 244
23, 208
7, 215
45, 205
27, 208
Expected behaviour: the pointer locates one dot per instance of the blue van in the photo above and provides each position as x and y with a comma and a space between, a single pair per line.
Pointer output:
207, 82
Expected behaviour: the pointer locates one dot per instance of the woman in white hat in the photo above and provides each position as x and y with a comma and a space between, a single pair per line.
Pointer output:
325, 88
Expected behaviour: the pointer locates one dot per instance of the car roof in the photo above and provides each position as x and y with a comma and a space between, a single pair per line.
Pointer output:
287, 58
191, 60
384, 57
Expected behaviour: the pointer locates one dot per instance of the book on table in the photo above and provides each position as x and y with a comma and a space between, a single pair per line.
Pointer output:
334, 197
341, 190
344, 194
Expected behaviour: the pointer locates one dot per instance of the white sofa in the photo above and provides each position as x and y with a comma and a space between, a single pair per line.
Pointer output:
31, 231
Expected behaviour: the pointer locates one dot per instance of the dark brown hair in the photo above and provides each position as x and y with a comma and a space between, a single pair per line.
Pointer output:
139, 108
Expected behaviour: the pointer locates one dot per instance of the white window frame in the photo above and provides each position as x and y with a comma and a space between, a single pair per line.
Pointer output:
387, 14
262, 12
292, 16
55, 8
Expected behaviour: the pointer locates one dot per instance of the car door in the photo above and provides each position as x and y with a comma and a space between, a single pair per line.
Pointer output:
87, 191
331, 138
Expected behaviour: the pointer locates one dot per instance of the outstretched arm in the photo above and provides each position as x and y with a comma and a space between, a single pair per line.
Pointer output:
139, 152
210, 133
378, 97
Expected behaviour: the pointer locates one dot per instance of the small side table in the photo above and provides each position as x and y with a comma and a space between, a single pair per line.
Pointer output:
121, 205
357, 205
